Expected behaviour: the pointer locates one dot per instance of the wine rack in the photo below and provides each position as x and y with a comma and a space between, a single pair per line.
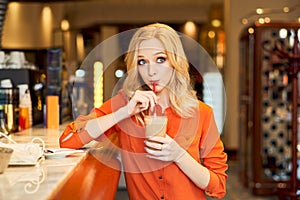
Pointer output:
266, 107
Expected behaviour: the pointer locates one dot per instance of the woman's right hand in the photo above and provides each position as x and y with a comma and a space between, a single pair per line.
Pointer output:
140, 101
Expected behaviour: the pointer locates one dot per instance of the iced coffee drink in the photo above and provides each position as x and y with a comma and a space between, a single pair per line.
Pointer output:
155, 125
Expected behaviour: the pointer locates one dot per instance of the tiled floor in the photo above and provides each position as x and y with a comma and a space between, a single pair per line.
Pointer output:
235, 190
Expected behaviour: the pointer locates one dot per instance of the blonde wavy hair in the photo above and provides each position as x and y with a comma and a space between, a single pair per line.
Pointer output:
182, 97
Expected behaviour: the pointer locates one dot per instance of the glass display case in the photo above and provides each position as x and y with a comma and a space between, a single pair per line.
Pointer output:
265, 97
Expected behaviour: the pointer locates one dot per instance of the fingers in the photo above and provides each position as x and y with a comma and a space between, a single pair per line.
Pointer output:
154, 145
155, 150
158, 139
148, 97
160, 153
163, 148
141, 101
157, 146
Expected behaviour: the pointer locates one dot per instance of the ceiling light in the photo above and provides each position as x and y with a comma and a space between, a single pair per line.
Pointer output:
245, 21
250, 30
257, 15
286, 9
211, 34
65, 25
259, 11
267, 19
216, 23
190, 29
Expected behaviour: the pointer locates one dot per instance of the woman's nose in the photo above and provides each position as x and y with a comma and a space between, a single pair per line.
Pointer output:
152, 69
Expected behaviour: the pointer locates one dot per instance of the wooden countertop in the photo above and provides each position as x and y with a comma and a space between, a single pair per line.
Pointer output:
47, 180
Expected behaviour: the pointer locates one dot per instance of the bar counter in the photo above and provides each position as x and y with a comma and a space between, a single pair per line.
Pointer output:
76, 176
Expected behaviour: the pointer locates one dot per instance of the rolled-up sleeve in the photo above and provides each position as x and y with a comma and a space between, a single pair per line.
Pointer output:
215, 161
212, 154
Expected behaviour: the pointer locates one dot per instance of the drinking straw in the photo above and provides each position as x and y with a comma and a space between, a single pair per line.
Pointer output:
154, 90
154, 87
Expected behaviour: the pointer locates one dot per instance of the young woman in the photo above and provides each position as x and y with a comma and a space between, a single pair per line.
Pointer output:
189, 162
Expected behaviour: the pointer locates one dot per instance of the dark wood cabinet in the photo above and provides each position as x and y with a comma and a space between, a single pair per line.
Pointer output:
265, 107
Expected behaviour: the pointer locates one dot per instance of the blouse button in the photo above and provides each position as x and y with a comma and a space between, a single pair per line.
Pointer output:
162, 197
160, 177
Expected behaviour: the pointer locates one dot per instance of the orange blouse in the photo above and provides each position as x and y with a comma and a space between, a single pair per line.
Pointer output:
147, 178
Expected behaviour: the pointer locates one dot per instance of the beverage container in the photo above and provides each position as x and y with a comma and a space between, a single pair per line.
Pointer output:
52, 112
24, 117
3, 126
25, 107
155, 125
9, 101
5, 155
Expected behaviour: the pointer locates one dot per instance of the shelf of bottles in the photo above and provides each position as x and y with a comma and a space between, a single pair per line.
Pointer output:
276, 107
266, 107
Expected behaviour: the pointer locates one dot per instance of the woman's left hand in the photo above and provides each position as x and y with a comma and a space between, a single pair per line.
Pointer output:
163, 148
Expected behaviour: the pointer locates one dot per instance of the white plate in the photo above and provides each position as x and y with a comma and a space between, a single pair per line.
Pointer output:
24, 163
60, 152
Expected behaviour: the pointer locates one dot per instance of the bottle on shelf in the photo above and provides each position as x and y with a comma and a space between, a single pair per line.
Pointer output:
3, 126
25, 107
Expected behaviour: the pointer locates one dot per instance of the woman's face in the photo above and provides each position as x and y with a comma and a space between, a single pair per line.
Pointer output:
153, 64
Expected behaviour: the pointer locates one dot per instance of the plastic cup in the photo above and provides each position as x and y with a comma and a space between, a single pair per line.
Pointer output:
5, 155
155, 125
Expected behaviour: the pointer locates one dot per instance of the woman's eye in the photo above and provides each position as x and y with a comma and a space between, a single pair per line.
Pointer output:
141, 62
161, 59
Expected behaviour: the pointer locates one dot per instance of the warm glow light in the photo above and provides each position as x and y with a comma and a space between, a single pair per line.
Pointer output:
80, 47
259, 11
261, 20
47, 12
14, 5
65, 25
244, 21
267, 19
216, 23
190, 29
46, 24
98, 84
250, 30
286, 9
12, 16
211, 34
220, 50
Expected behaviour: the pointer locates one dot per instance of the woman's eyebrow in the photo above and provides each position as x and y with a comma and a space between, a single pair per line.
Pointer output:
160, 52
157, 53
